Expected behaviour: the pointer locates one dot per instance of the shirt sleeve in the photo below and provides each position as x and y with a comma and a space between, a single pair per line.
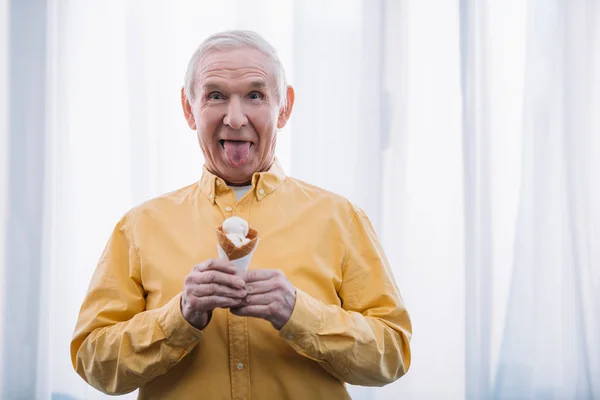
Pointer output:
117, 346
366, 341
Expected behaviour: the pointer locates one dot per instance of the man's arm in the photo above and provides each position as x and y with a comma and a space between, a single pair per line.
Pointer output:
117, 345
366, 341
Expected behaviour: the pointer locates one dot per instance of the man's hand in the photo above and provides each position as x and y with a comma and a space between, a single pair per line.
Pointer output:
211, 284
271, 296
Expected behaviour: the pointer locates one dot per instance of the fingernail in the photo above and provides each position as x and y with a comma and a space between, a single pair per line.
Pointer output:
240, 283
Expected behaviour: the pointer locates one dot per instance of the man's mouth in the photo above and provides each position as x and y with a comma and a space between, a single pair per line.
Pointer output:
234, 142
236, 151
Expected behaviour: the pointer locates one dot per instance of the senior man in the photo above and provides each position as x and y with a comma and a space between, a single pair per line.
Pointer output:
319, 306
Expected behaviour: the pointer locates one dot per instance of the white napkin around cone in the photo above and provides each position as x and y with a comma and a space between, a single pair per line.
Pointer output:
241, 264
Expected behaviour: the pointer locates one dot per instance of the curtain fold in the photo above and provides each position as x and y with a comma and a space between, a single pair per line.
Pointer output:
4, 140
478, 233
23, 197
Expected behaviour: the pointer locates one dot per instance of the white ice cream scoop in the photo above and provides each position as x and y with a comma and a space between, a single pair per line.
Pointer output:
237, 242
236, 230
235, 225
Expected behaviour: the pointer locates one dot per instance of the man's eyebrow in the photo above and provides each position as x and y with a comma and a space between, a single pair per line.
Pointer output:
258, 84
208, 87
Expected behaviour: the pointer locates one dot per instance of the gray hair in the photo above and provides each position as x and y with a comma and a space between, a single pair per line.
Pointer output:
232, 40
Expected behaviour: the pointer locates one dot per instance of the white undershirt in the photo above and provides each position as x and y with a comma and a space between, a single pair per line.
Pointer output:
240, 191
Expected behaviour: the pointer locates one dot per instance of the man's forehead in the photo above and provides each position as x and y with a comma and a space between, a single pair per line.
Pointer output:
245, 65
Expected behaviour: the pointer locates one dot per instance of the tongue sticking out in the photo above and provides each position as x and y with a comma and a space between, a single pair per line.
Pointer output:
236, 152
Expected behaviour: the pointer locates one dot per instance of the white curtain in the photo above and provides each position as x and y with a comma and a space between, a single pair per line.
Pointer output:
551, 341
468, 131
4, 126
531, 222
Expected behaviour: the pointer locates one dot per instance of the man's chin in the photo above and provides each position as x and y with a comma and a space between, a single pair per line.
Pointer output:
238, 175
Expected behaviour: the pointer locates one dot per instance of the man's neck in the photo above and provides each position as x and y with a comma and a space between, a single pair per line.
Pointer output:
249, 182
239, 184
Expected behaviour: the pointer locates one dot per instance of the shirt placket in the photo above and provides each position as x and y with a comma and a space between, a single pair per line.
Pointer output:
239, 352
239, 357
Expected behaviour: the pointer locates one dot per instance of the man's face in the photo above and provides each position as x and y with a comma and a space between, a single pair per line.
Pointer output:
236, 112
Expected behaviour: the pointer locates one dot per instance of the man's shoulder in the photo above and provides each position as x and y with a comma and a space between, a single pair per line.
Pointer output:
318, 194
166, 203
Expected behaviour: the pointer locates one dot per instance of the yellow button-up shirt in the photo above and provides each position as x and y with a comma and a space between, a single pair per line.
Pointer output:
349, 323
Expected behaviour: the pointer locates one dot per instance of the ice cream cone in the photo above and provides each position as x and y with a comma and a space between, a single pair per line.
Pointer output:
239, 256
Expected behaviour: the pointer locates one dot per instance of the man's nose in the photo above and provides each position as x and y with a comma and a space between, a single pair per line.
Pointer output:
235, 117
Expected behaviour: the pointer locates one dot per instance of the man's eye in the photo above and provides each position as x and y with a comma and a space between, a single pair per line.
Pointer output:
255, 96
215, 96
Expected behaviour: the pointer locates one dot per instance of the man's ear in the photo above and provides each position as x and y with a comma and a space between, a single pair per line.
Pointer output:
286, 112
187, 110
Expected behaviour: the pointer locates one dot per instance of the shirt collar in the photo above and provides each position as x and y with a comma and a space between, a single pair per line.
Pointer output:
263, 183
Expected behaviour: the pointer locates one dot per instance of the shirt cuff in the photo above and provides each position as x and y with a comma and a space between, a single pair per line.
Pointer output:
305, 322
178, 332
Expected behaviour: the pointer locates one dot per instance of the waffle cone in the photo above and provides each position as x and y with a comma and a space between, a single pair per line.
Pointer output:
231, 250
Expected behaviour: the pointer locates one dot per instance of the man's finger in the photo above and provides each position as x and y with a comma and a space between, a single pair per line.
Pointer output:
222, 265
260, 299
261, 275
212, 302
214, 289
259, 287
218, 277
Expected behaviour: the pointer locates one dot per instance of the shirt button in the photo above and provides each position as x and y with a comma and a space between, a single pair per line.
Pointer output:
261, 191
218, 183
211, 195
240, 366
290, 336
228, 209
